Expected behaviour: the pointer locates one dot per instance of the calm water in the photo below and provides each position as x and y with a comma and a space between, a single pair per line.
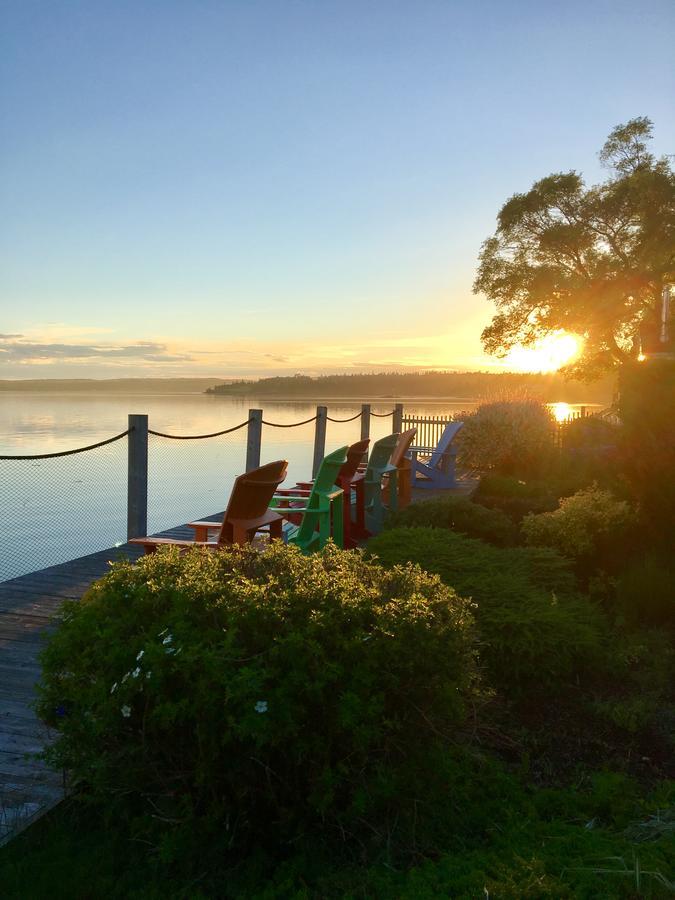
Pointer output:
58, 509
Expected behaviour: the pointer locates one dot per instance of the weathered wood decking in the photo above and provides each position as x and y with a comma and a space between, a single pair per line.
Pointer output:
28, 789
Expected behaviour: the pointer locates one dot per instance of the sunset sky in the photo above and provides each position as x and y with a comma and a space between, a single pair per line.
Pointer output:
239, 188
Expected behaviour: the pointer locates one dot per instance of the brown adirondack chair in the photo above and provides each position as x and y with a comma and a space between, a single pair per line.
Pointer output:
247, 513
401, 496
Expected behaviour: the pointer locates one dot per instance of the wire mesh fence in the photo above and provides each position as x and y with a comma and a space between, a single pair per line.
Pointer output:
62, 506
65, 505
190, 479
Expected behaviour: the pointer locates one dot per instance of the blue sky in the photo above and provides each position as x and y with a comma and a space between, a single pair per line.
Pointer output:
227, 188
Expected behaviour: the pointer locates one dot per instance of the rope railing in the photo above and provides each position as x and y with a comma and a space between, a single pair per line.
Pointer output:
111, 440
148, 479
350, 419
198, 437
288, 424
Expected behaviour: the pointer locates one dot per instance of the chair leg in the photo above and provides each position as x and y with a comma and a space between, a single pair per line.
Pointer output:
339, 520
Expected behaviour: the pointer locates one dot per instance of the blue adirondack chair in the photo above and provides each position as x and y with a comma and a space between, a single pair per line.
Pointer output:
438, 469
315, 514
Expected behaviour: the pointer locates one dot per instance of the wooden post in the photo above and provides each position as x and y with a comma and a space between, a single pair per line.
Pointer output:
319, 438
253, 439
365, 427
365, 421
137, 477
397, 418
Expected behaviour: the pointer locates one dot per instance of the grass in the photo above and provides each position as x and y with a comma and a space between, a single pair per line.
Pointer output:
581, 843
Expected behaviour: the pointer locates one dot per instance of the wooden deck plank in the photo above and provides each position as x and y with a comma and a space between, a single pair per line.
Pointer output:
28, 605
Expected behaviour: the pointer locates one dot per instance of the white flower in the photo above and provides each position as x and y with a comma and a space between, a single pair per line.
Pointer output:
125, 677
136, 672
140, 655
113, 688
170, 650
148, 674
168, 639
261, 706
126, 711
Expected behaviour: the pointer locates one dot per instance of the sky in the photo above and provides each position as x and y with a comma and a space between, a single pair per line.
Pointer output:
242, 188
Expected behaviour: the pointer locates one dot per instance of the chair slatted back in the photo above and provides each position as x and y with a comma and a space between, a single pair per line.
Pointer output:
252, 494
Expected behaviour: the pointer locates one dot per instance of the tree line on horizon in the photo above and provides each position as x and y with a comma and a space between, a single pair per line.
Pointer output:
462, 385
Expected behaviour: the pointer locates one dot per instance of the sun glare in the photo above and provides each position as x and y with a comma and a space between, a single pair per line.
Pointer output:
547, 355
561, 411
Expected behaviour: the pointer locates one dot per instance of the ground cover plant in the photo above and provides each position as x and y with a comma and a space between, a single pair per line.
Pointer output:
266, 693
535, 630
459, 514
600, 838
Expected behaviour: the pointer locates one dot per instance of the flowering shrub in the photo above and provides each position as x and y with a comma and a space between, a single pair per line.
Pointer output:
586, 524
535, 631
459, 514
268, 692
509, 437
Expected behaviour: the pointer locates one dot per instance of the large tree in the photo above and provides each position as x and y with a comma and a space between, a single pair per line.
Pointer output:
587, 260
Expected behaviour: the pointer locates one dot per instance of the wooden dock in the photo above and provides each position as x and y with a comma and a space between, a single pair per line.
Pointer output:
28, 789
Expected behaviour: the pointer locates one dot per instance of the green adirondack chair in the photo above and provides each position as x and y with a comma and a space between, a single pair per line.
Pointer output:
379, 465
322, 507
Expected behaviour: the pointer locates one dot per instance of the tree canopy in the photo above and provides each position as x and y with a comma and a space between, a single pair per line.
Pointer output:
587, 260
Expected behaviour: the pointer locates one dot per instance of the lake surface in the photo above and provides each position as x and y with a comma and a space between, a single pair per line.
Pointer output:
62, 508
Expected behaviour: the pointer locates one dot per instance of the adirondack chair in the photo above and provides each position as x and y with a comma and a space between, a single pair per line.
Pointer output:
399, 494
438, 471
351, 478
321, 510
247, 513
378, 466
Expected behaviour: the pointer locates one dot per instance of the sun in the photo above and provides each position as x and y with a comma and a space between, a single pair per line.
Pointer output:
546, 355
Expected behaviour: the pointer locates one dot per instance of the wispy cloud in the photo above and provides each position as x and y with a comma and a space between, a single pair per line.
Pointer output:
16, 349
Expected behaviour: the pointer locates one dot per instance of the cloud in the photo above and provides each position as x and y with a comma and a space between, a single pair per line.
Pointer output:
279, 359
12, 349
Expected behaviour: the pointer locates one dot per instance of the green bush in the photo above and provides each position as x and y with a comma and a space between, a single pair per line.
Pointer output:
646, 592
459, 514
515, 497
592, 525
534, 630
266, 692
511, 437
647, 444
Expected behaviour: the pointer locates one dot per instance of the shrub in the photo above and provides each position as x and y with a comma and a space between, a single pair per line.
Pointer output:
647, 443
266, 692
646, 592
515, 497
590, 525
534, 630
508, 437
459, 514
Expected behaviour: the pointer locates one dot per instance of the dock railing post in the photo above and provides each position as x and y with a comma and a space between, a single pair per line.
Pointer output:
319, 438
253, 439
137, 477
397, 418
365, 426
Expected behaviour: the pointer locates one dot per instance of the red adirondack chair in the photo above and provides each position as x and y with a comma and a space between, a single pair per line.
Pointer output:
247, 513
